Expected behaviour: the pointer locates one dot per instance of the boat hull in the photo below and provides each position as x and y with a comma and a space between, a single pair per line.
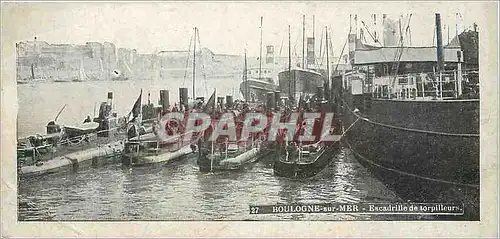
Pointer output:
131, 159
257, 90
232, 163
304, 81
292, 169
70, 162
426, 151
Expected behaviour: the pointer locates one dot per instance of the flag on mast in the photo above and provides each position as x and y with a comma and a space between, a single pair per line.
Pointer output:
136, 111
210, 106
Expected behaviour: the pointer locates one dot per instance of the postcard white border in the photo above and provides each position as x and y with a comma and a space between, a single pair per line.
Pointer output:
487, 227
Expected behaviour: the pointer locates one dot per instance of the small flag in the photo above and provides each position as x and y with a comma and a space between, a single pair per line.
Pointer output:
136, 109
210, 106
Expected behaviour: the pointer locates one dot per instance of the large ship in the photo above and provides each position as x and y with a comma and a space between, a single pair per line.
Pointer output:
415, 118
297, 81
303, 78
259, 80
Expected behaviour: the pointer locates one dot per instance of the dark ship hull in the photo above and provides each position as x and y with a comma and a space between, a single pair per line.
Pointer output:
257, 90
426, 151
302, 80
295, 170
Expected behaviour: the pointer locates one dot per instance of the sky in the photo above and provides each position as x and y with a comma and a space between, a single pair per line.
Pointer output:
224, 27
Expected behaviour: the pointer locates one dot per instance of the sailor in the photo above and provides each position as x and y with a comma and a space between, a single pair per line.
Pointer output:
175, 109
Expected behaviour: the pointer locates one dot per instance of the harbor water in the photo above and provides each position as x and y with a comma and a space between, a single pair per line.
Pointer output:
176, 191
179, 192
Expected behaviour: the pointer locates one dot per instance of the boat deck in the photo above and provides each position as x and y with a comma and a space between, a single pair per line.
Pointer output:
47, 152
305, 156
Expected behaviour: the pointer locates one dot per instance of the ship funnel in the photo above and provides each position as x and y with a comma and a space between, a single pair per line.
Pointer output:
277, 98
269, 54
439, 40
220, 100
310, 51
110, 98
183, 98
229, 101
352, 45
164, 99
270, 100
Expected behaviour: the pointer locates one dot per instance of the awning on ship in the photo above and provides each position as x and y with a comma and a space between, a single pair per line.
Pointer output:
410, 54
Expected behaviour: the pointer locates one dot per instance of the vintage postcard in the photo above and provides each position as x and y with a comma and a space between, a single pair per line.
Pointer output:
247, 119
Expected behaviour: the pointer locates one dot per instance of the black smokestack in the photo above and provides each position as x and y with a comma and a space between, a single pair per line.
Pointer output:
439, 39
310, 51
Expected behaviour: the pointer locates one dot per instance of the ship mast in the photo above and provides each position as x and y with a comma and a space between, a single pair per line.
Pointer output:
327, 64
289, 64
260, 57
245, 78
440, 56
17, 61
194, 63
303, 41
314, 41
32, 71
439, 40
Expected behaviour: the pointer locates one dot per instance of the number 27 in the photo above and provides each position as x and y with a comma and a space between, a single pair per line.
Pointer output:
254, 210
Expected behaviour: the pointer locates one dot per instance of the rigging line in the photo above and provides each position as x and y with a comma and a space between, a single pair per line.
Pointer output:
343, 48
434, 36
400, 50
322, 56
408, 129
411, 174
400, 42
202, 62
329, 46
295, 54
330, 43
369, 33
281, 45
321, 49
325, 52
187, 61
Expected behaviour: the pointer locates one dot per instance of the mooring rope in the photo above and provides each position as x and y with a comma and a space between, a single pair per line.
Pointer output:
409, 129
412, 174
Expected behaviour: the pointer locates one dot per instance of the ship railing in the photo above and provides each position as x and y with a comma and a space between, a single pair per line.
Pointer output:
155, 145
80, 142
444, 85
74, 140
